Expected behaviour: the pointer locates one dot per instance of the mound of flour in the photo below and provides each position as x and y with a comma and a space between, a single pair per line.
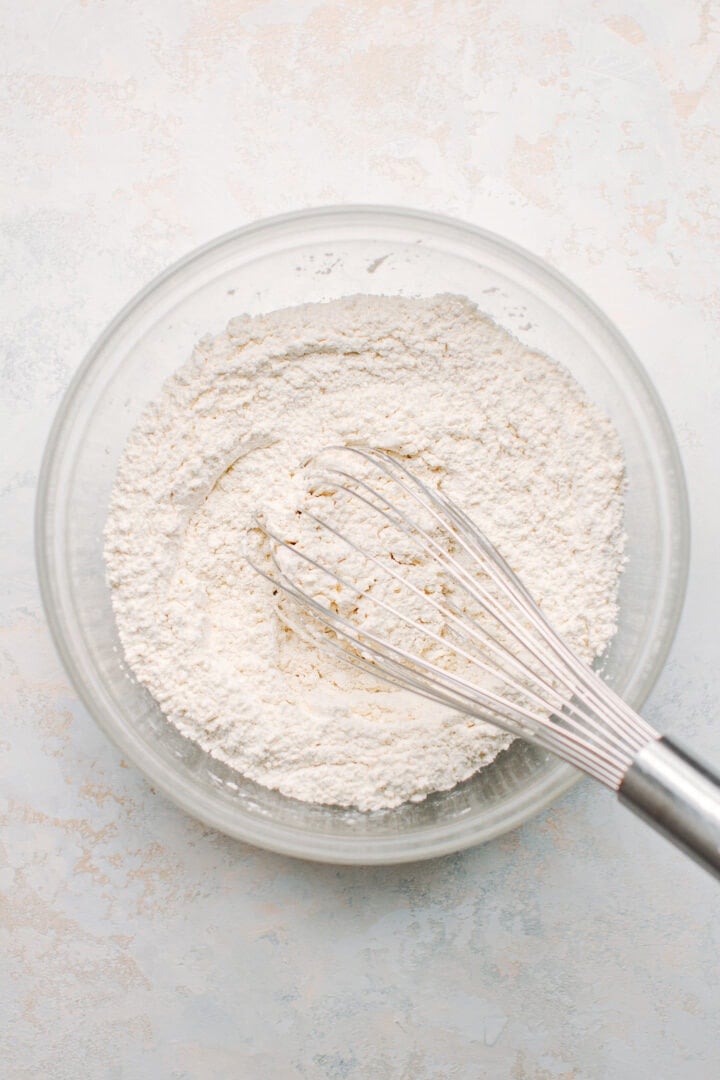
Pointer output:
504, 431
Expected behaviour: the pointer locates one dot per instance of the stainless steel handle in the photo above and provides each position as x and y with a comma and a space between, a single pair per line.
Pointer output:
679, 796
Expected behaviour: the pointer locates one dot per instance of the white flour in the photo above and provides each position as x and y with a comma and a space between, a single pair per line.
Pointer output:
506, 432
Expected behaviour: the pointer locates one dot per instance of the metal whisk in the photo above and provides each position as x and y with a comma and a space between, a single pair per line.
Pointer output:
400, 582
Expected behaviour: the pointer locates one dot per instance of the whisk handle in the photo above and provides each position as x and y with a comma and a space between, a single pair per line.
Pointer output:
679, 796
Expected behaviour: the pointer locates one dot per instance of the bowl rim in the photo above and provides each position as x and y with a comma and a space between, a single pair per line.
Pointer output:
282, 838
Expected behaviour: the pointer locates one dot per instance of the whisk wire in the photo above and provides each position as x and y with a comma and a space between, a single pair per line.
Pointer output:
555, 699
481, 596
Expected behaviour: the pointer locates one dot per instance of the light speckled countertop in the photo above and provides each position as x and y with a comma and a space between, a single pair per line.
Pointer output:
137, 944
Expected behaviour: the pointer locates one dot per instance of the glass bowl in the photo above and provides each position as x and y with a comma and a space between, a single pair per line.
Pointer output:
310, 256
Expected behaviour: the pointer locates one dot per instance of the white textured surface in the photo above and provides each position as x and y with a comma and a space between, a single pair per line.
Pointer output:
136, 943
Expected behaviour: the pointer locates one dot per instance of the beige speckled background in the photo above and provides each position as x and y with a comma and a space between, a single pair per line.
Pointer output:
137, 944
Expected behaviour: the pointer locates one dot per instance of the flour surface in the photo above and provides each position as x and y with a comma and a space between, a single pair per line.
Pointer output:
504, 431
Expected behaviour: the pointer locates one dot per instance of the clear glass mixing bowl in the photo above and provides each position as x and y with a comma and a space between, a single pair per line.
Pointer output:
309, 256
